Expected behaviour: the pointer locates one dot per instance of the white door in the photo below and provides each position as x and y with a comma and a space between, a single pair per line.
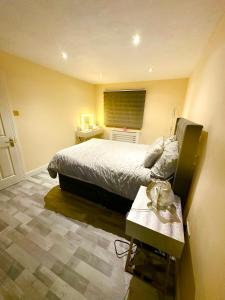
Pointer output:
11, 170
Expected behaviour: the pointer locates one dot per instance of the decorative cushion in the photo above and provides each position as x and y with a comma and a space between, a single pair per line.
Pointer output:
153, 153
170, 139
166, 164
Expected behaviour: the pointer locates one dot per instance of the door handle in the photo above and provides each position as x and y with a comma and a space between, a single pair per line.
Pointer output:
11, 142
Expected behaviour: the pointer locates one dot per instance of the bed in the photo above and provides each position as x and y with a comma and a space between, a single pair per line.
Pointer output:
110, 173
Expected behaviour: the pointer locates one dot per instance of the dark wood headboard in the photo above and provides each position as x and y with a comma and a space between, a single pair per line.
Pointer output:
188, 134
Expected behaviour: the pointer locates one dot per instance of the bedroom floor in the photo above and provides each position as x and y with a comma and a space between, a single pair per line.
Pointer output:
44, 255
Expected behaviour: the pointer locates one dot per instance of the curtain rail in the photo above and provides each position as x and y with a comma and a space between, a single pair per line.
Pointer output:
130, 90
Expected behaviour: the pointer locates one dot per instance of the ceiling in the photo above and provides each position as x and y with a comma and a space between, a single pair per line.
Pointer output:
97, 36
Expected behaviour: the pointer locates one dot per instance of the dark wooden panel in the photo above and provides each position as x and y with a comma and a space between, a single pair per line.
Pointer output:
188, 134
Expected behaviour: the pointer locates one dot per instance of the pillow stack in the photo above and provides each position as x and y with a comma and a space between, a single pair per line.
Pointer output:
162, 157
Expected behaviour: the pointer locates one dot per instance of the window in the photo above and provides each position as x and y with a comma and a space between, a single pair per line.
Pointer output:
124, 109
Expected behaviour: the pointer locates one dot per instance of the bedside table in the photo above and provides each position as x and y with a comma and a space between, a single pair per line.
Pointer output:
84, 135
160, 229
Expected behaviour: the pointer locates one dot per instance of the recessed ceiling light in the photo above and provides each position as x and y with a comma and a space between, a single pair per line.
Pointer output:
150, 70
64, 55
136, 39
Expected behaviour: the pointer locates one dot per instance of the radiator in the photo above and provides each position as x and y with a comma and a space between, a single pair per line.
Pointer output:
125, 136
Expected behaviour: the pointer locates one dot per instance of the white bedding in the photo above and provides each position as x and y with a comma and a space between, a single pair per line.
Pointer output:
114, 166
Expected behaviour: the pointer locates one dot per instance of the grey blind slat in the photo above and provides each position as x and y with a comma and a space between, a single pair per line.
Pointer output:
124, 108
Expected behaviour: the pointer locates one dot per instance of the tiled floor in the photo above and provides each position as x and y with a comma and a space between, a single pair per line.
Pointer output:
44, 255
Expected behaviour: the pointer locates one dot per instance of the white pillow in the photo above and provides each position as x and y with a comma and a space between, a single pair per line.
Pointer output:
170, 139
153, 153
166, 164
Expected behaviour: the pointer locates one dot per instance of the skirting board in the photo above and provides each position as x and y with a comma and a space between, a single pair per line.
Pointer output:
27, 175
8, 184
36, 171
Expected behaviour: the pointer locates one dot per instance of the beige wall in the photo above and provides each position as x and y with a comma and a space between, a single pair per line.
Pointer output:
202, 275
161, 98
49, 103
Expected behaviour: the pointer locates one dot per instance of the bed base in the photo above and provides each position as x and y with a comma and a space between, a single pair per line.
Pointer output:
95, 193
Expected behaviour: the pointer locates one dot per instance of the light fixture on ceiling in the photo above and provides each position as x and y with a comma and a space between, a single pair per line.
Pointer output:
136, 39
150, 70
64, 55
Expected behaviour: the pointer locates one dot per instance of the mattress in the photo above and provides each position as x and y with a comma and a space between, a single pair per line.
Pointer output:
115, 166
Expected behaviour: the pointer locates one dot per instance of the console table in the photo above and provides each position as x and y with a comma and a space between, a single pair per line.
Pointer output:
84, 135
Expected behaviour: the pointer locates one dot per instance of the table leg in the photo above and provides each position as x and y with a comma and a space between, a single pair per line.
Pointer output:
127, 269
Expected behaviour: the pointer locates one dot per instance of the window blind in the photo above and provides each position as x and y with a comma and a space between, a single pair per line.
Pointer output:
124, 109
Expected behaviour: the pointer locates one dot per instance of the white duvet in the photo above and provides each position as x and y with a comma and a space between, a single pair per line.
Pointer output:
114, 166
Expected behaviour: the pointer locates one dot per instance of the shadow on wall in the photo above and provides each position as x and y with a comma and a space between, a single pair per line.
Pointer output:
199, 165
186, 273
